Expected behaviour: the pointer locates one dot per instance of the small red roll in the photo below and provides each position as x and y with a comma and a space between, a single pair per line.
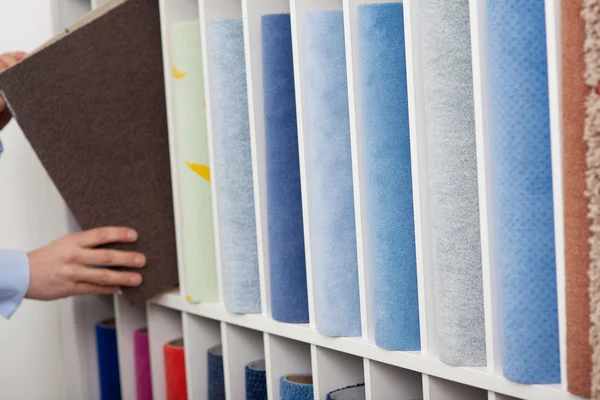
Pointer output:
175, 370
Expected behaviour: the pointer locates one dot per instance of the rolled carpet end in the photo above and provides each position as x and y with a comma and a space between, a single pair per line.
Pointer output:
256, 380
108, 360
296, 387
174, 353
216, 377
143, 376
356, 392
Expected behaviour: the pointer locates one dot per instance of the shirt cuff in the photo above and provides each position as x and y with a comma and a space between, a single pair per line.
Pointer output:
14, 280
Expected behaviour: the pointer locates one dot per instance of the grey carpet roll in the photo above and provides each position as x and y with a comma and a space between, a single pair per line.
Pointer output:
450, 129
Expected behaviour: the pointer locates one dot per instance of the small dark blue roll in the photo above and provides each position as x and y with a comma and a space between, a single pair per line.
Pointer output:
108, 360
296, 387
389, 197
356, 392
216, 378
522, 184
256, 381
287, 266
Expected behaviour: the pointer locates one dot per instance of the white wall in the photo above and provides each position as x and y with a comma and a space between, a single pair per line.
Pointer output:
32, 213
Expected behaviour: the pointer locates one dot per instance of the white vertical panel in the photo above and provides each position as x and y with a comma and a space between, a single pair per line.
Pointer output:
334, 370
553, 42
283, 357
386, 382
164, 325
199, 335
241, 346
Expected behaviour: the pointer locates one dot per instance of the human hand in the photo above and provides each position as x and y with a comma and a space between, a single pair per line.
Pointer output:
63, 268
7, 60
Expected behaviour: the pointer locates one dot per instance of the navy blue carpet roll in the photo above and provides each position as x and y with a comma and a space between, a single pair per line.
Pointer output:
356, 392
389, 178
256, 381
522, 182
216, 378
296, 387
329, 170
287, 266
108, 360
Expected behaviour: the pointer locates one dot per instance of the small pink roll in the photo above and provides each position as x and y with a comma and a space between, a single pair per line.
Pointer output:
142, 364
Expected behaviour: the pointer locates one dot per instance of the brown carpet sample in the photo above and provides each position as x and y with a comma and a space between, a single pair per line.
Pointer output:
591, 16
577, 248
91, 103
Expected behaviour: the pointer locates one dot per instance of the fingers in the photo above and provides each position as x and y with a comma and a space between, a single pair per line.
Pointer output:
101, 236
106, 277
89, 288
9, 59
110, 258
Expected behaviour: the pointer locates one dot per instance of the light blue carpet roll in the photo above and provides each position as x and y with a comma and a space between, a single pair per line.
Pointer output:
329, 164
452, 163
233, 164
287, 264
522, 179
296, 387
389, 180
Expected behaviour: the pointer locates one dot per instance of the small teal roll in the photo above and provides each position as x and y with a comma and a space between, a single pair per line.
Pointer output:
216, 378
256, 381
356, 392
389, 200
108, 360
329, 170
296, 387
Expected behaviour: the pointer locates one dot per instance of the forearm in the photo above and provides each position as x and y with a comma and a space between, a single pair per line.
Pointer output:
14, 280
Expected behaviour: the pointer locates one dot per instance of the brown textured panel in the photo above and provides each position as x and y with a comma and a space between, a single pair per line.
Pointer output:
92, 106
576, 204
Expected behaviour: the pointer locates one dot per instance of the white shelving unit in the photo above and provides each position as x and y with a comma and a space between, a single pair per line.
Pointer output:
299, 348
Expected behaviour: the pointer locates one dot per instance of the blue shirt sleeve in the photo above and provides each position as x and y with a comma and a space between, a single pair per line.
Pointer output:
14, 280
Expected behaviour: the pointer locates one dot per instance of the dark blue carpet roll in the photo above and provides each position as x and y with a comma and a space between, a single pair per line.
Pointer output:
108, 360
329, 169
389, 179
216, 379
356, 392
256, 381
287, 266
296, 387
522, 179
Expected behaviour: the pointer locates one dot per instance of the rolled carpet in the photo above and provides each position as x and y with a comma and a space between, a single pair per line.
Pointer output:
143, 376
296, 387
356, 392
108, 360
522, 184
174, 353
216, 377
287, 264
256, 381
591, 16
454, 198
233, 166
577, 225
192, 162
329, 170
389, 179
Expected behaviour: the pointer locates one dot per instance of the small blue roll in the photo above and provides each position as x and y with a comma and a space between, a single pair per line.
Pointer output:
296, 387
522, 182
216, 378
256, 381
233, 164
389, 179
329, 169
287, 264
108, 360
356, 392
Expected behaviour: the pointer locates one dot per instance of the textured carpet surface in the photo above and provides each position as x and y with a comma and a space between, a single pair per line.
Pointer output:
329, 169
143, 375
522, 184
189, 113
216, 378
356, 392
256, 381
233, 163
454, 202
108, 158
287, 264
577, 225
108, 360
296, 387
389, 179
